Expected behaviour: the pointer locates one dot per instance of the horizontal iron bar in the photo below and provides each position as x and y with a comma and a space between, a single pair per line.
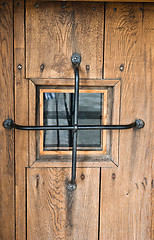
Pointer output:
9, 124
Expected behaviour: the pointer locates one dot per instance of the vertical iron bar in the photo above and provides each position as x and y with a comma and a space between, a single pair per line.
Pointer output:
76, 60
76, 105
71, 118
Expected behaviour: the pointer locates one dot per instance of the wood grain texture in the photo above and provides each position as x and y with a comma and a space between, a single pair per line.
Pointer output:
65, 161
70, 82
126, 207
101, 0
7, 226
56, 213
76, 27
116, 120
21, 117
32, 122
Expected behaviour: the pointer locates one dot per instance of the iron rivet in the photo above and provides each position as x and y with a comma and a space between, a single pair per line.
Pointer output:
113, 176
82, 176
76, 59
19, 66
121, 68
141, 9
71, 187
42, 67
94, 8
63, 6
87, 67
36, 5
18, 4
4, 4
139, 123
114, 9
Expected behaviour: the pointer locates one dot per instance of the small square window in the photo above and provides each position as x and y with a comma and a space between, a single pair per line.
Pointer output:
56, 108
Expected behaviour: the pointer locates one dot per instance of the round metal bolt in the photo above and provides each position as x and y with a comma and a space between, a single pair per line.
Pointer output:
71, 187
82, 176
8, 123
94, 8
113, 176
121, 68
4, 4
36, 5
87, 67
114, 9
19, 4
76, 58
139, 123
19, 66
141, 9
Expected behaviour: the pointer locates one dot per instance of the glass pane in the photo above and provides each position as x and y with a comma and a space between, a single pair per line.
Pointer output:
58, 110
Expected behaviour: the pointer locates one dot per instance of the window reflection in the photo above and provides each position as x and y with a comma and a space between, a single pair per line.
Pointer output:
58, 110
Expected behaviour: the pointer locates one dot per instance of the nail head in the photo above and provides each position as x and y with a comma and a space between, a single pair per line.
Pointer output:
82, 176
87, 67
36, 5
121, 67
42, 67
19, 66
113, 176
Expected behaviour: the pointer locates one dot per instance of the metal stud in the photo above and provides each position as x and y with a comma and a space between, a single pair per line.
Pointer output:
82, 176
36, 5
113, 176
121, 67
19, 66
42, 67
87, 67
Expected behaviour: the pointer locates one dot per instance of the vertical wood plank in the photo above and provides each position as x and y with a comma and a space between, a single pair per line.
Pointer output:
7, 227
55, 30
116, 120
56, 213
32, 122
126, 210
21, 117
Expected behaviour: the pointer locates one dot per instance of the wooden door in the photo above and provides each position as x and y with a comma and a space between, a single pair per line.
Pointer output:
113, 199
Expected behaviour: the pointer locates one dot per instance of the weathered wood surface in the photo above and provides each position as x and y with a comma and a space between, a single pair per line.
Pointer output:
21, 117
76, 27
7, 226
126, 207
32, 122
70, 82
56, 213
100, 0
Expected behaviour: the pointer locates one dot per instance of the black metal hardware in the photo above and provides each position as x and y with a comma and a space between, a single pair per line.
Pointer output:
19, 66
139, 123
76, 60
